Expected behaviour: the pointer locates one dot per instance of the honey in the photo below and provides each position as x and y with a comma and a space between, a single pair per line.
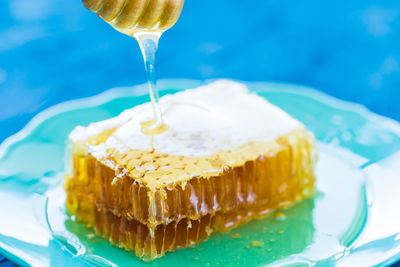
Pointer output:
257, 244
145, 20
153, 201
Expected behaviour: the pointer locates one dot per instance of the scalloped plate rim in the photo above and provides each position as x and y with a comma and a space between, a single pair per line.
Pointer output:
141, 90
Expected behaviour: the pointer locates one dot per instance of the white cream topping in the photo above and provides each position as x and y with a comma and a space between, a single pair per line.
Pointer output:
222, 115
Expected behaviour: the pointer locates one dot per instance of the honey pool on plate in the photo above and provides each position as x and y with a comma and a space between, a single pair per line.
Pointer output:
341, 224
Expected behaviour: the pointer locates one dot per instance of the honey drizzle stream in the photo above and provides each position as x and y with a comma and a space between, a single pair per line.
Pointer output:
145, 20
148, 42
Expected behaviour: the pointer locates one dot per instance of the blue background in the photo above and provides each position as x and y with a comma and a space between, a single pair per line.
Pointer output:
55, 50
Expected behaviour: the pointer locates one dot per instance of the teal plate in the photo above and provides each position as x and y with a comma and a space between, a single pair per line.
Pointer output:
354, 220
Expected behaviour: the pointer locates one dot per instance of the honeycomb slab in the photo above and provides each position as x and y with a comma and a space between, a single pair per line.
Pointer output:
227, 156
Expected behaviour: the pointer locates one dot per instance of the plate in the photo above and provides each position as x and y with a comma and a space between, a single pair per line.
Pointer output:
354, 218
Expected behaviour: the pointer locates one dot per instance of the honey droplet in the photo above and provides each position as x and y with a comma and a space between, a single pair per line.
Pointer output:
280, 216
90, 236
153, 127
257, 244
237, 235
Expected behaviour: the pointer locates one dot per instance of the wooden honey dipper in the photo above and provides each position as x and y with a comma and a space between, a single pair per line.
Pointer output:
131, 16
145, 20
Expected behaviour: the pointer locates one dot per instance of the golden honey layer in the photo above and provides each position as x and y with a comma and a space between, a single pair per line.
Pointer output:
137, 187
151, 243
130, 16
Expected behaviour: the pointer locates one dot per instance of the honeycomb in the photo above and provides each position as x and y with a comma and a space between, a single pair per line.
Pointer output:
153, 203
